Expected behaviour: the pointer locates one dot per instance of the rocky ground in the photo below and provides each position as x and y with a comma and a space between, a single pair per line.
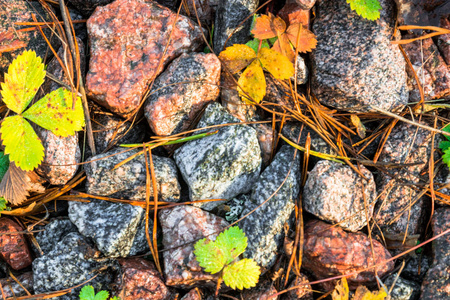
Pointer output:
343, 219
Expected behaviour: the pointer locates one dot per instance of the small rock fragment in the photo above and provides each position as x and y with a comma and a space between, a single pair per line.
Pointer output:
335, 193
13, 245
330, 251
264, 227
303, 292
12, 289
263, 291
403, 289
182, 226
194, 294
52, 234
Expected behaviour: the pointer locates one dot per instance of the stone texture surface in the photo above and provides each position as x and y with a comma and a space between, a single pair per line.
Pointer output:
52, 234
422, 12
12, 289
443, 41
265, 137
334, 192
128, 181
15, 41
330, 251
62, 154
354, 65
416, 268
71, 262
194, 294
182, 226
264, 227
206, 10
222, 165
436, 284
109, 130
188, 84
403, 289
141, 280
127, 39
263, 291
229, 15
88, 6
112, 226
304, 292
13, 245
433, 72
393, 211
304, 4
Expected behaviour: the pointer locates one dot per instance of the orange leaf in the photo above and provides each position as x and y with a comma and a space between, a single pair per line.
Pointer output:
267, 27
277, 64
302, 39
237, 57
283, 46
252, 83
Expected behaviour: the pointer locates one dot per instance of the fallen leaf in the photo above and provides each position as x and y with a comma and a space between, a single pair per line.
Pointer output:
302, 38
237, 57
360, 128
252, 83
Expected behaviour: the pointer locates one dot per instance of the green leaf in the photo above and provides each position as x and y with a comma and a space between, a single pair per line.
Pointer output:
4, 164
232, 242
87, 293
115, 298
368, 9
54, 112
447, 129
446, 157
241, 274
21, 143
3, 204
209, 256
25, 75
254, 44
444, 145
102, 295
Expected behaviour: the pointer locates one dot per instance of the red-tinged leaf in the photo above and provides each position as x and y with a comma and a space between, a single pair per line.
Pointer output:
283, 47
302, 39
267, 27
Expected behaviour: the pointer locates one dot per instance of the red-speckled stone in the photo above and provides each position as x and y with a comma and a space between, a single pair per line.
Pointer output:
190, 82
141, 280
194, 294
13, 247
182, 226
330, 251
434, 74
128, 38
11, 288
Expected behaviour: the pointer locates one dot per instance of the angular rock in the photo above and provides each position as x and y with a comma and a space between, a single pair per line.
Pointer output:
128, 38
188, 84
416, 268
403, 289
88, 6
194, 294
436, 284
182, 226
262, 291
398, 210
330, 251
129, 180
62, 155
433, 72
304, 292
13, 245
223, 165
71, 262
140, 243
109, 130
141, 280
52, 234
264, 227
12, 11
335, 193
112, 226
354, 65
265, 137
206, 10
302, 71
229, 15
12, 289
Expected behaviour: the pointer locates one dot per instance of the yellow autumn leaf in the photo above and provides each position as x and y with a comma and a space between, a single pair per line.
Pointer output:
362, 293
253, 83
341, 290
360, 128
237, 57
277, 64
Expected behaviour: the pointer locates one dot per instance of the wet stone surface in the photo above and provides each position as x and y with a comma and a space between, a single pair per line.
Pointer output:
264, 227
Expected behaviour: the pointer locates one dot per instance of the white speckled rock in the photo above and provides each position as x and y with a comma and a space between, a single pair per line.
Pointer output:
264, 227
222, 165
335, 193
52, 234
128, 181
112, 226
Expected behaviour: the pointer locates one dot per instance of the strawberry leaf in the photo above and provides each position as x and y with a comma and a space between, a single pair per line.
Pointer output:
368, 9
102, 295
266, 28
87, 293
21, 143
237, 57
254, 44
241, 274
25, 75
302, 38
232, 242
54, 112
4, 164
278, 65
446, 157
252, 83
209, 256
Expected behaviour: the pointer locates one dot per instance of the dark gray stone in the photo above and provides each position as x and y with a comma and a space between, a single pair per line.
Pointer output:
140, 243
11, 288
52, 234
334, 192
69, 263
416, 268
264, 227
355, 66
87, 7
222, 165
403, 289
112, 226
229, 15
129, 180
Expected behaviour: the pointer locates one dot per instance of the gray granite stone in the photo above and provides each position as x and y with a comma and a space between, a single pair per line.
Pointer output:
354, 65
229, 15
416, 268
222, 165
71, 262
403, 289
128, 181
13, 289
112, 226
264, 227
140, 243
52, 234
335, 193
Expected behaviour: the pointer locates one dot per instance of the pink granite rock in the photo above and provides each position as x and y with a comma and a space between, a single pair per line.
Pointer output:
128, 39
190, 82
13, 246
141, 280
182, 226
